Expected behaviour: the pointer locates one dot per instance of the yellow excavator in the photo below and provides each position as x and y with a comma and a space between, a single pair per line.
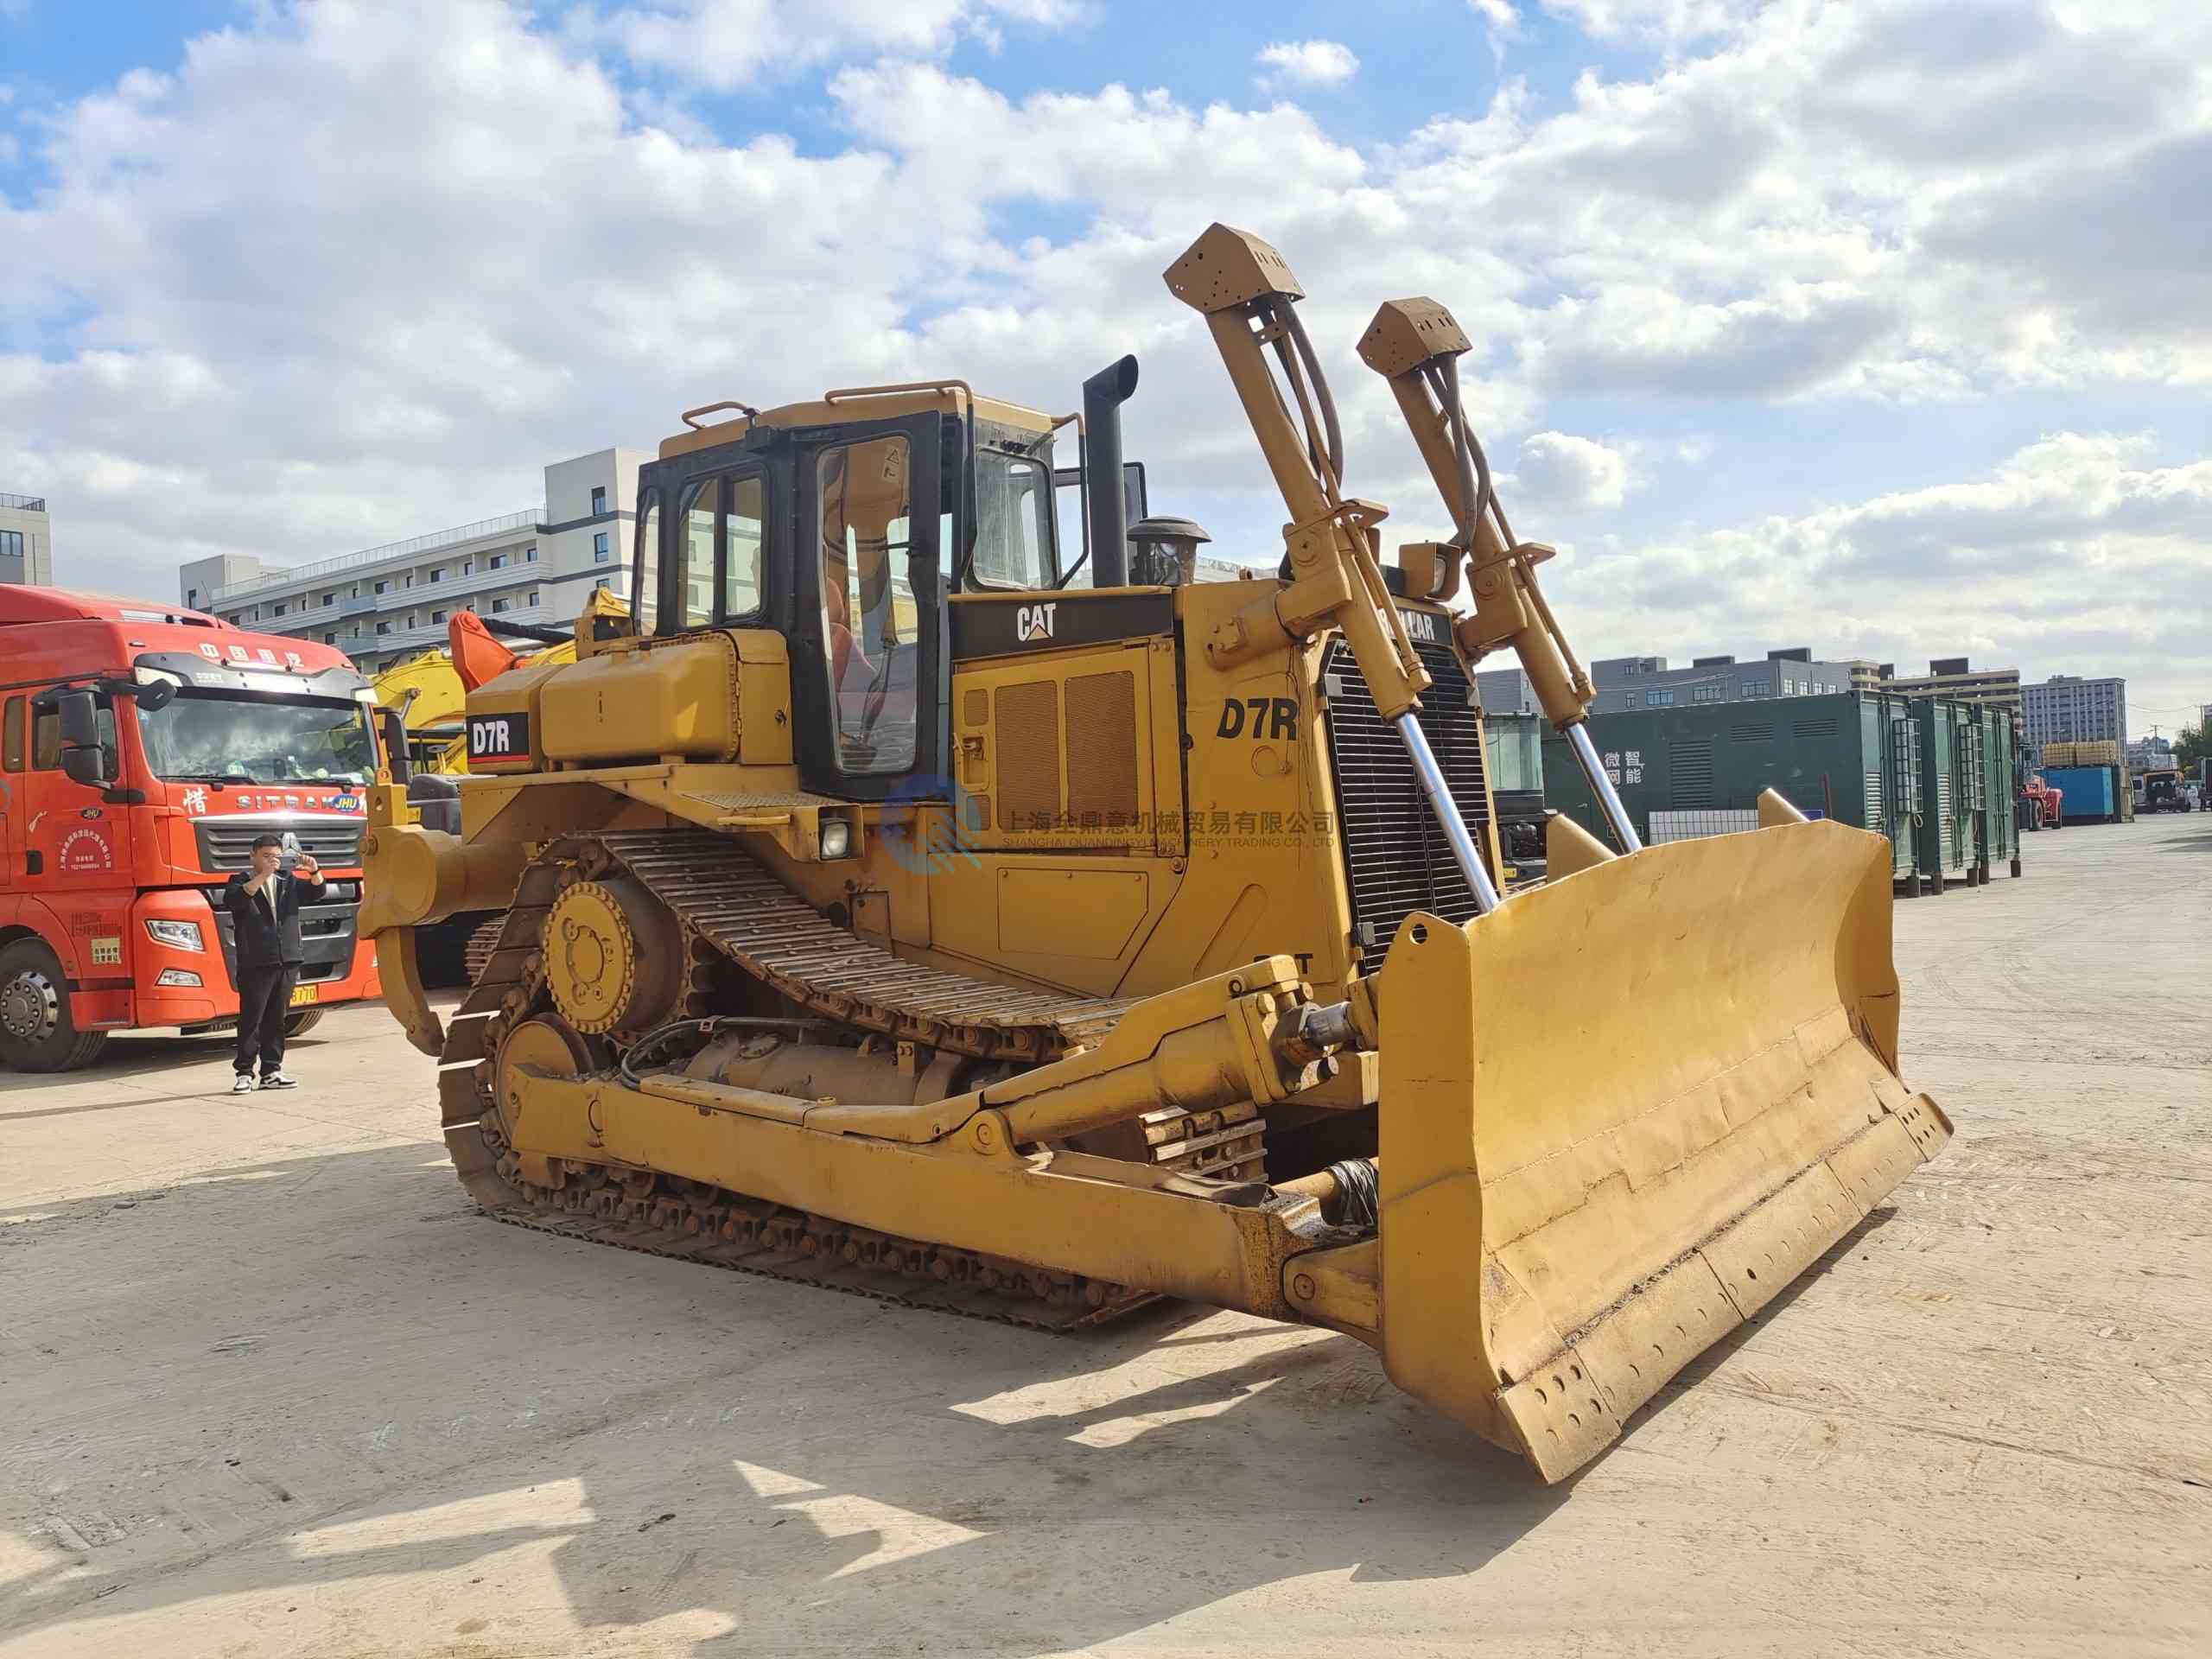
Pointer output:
890, 913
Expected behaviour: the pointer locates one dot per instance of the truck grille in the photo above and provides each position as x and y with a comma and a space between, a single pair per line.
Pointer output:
226, 845
1396, 859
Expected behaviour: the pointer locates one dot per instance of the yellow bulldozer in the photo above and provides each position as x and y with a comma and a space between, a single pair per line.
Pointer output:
889, 912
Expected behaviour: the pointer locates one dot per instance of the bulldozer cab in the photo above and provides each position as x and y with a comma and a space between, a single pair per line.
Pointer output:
853, 539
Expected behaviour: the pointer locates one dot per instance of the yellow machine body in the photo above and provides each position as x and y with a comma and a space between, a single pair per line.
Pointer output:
1132, 999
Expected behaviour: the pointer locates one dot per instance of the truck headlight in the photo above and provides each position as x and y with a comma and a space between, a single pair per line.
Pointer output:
183, 935
836, 838
176, 976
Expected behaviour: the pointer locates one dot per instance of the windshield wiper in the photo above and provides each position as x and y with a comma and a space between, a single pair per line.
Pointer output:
216, 777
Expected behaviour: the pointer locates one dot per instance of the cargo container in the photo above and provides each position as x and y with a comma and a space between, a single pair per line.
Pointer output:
2000, 788
1857, 757
1947, 820
2093, 793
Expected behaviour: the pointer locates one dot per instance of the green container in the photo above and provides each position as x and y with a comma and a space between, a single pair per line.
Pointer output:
2000, 768
1855, 757
1947, 827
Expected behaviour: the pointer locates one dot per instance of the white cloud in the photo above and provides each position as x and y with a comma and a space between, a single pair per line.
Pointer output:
2074, 555
1558, 473
1309, 63
1640, 20
725, 44
1498, 14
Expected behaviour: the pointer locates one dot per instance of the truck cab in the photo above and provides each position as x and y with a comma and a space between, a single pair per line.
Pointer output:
142, 748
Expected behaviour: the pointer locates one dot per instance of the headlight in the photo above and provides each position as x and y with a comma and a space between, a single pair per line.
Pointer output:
184, 935
836, 838
176, 976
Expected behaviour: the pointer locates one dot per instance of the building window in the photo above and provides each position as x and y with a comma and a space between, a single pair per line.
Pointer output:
382, 586
276, 610
330, 599
191, 594
600, 585
599, 553
599, 501
437, 573
438, 617
498, 561
532, 600
383, 627
11, 544
530, 555
329, 638
1657, 699
1706, 692
467, 565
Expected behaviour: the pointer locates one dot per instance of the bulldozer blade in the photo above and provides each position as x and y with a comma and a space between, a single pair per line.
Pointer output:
1655, 1092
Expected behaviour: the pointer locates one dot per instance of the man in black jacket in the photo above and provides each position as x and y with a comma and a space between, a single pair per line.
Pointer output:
265, 901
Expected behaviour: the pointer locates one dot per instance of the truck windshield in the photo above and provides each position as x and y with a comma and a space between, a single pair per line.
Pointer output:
213, 738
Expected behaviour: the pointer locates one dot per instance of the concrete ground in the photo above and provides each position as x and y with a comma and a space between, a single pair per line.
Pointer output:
270, 1389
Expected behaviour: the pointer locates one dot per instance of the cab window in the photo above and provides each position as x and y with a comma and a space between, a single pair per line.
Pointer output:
14, 743
741, 546
1014, 525
45, 739
720, 527
863, 501
689, 578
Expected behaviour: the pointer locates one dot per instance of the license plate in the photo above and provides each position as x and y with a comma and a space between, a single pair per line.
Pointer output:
304, 994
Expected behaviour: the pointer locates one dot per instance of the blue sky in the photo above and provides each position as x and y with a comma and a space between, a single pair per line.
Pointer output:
1868, 326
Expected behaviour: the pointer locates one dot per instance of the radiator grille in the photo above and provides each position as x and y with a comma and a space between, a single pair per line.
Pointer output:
1396, 858
1947, 843
1028, 732
1103, 734
1875, 820
227, 843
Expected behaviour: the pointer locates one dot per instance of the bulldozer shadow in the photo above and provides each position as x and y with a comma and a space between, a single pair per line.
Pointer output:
608, 1441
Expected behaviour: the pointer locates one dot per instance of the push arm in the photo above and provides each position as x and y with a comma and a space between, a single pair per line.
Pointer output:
1416, 345
1246, 293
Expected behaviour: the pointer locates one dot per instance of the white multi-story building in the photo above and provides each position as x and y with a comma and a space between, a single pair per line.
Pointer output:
387, 602
26, 541
2067, 709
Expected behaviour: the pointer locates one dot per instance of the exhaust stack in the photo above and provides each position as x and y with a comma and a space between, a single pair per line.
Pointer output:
1106, 515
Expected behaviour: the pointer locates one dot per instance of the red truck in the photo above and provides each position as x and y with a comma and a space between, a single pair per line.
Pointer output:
143, 748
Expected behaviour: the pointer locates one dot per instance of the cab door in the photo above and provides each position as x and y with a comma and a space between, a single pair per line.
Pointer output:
73, 846
869, 655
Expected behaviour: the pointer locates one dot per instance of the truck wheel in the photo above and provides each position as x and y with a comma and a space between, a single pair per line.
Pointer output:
35, 1032
305, 1020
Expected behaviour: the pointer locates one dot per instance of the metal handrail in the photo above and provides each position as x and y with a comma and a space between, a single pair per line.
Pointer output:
23, 503
531, 518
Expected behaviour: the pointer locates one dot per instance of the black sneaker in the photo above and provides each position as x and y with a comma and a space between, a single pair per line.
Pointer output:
276, 1080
